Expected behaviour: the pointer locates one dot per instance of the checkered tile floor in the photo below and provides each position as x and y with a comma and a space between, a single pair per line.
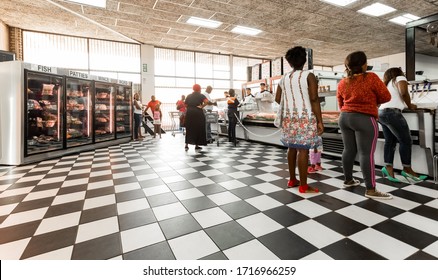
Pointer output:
153, 200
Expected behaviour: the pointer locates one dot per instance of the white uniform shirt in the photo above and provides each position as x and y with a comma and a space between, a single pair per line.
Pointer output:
264, 101
396, 99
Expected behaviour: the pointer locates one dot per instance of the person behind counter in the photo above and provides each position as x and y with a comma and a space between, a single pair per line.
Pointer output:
264, 99
359, 95
395, 128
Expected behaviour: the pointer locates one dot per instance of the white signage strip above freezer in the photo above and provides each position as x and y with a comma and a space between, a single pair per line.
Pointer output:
120, 82
78, 74
45, 69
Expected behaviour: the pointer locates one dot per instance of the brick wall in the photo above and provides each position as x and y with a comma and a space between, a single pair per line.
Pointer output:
16, 42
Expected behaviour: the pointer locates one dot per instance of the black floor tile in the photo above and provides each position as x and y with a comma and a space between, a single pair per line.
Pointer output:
287, 245
198, 204
285, 216
340, 223
229, 234
101, 248
98, 213
239, 209
159, 251
347, 249
178, 226
162, 199
136, 219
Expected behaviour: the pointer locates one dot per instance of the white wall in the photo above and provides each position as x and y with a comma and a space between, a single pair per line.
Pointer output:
428, 64
4, 37
147, 73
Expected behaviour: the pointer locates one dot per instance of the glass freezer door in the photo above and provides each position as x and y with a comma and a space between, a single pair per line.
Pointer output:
44, 126
104, 112
79, 112
123, 111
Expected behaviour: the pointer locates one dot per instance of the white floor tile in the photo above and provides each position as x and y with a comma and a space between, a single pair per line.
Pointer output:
17, 191
60, 254
361, 215
418, 222
318, 255
75, 182
201, 182
156, 190
270, 169
100, 184
338, 183
13, 250
315, 233
70, 197
24, 217
347, 196
211, 217
433, 203
309, 208
97, 229
233, 184
432, 249
58, 222
147, 177
223, 198
123, 175
266, 188
209, 173
251, 250
100, 173
132, 206
173, 179
383, 244
99, 201
193, 246
188, 193
263, 202
238, 175
52, 180
185, 171
127, 187
79, 171
169, 211
219, 165
421, 190
268, 177
259, 224
399, 202
243, 167
41, 194
7, 209
140, 237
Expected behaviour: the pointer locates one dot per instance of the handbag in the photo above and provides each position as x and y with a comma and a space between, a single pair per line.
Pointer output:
298, 130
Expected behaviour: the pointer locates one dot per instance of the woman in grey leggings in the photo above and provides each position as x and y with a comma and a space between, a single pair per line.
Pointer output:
358, 97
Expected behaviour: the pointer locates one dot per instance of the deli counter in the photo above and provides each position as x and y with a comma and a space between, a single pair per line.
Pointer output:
48, 112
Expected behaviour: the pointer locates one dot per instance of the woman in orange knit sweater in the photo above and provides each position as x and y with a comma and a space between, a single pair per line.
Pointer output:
359, 95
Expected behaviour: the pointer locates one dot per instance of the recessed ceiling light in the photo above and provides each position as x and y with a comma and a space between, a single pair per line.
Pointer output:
341, 3
402, 20
96, 3
246, 30
376, 10
204, 22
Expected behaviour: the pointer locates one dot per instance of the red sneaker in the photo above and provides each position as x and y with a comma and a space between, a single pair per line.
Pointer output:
307, 189
311, 170
293, 183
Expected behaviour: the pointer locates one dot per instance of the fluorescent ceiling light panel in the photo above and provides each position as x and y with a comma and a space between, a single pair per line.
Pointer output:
376, 10
204, 22
245, 30
96, 3
341, 3
402, 20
